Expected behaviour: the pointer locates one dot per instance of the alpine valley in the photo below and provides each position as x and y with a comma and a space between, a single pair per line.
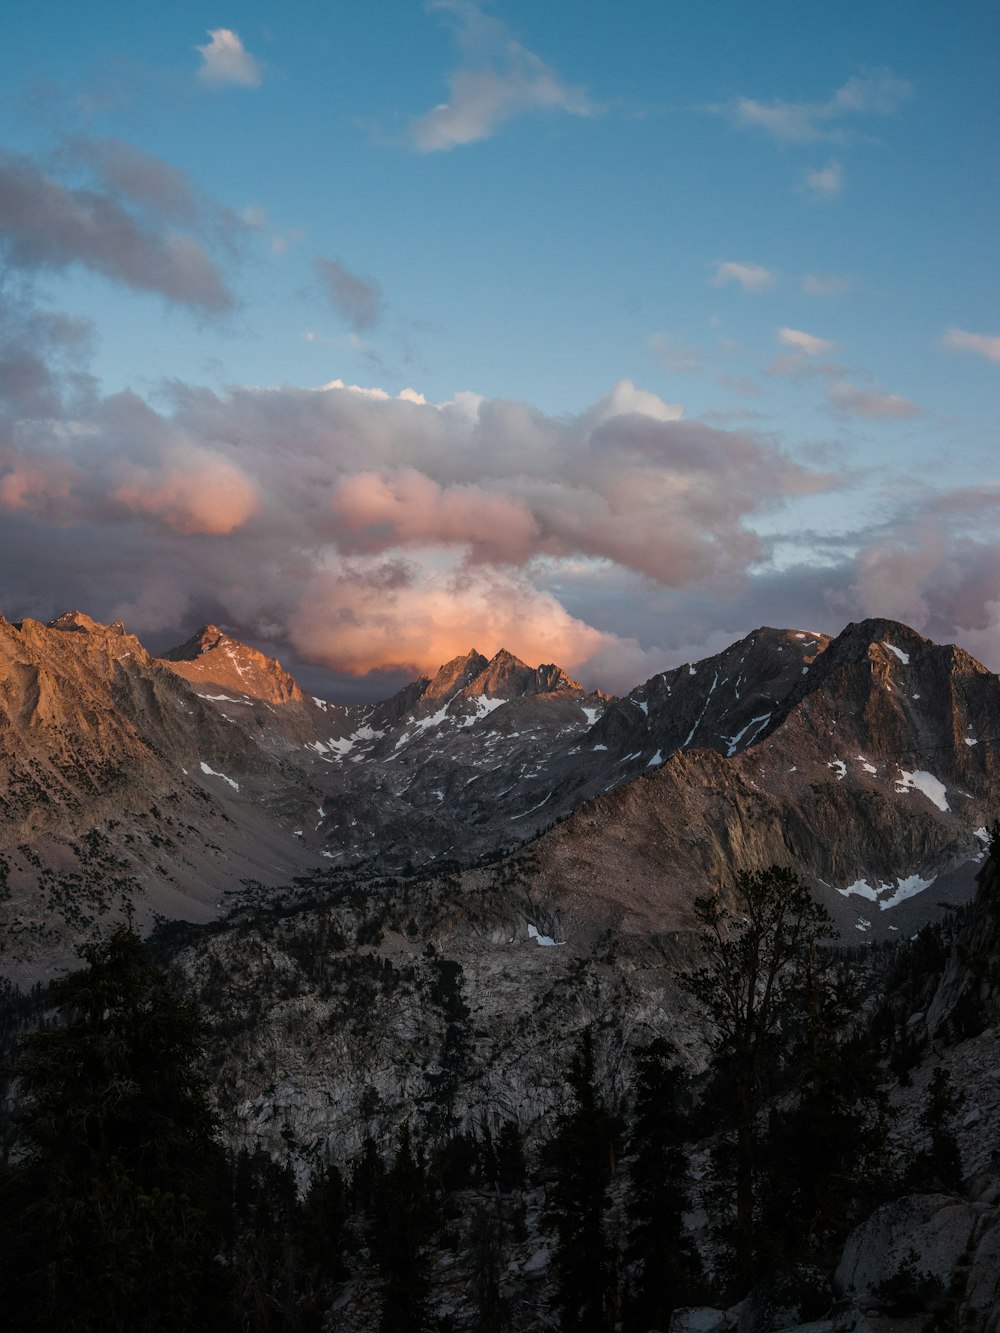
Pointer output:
868, 763
454, 916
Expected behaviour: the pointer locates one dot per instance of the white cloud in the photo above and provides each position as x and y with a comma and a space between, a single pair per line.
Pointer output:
807, 343
502, 80
824, 183
675, 358
625, 398
873, 405
980, 344
227, 61
825, 284
751, 277
879, 92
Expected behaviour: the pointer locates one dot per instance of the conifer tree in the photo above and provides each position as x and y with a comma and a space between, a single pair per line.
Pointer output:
664, 1269
746, 984
584, 1156
403, 1224
939, 1165
111, 1218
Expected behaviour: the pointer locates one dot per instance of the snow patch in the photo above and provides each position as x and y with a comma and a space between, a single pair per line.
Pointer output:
869, 768
840, 767
600, 747
641, 703
545, 940
898, 893
922, 781
970, 740
656, 760
982, 834
533, 808
704, 710
903, 657
591, 714
212, 774
222, 698
733, 741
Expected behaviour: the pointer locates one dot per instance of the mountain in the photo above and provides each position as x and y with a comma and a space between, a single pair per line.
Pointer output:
212, 659
875, 777
866, 761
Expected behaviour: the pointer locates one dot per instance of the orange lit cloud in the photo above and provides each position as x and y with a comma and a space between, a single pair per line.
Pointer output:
40, 486
379, 511
380, 615
194, 491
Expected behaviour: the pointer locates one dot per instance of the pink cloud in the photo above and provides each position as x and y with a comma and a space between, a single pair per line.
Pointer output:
367, 617
192, 492
377, 511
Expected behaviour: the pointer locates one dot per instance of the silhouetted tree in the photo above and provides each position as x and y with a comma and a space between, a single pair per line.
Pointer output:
939, 1165
404, 1220
583, 1154
747, 985
112, 1217
664, 1269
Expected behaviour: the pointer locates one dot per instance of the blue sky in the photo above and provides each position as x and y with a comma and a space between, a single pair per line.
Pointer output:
693, 307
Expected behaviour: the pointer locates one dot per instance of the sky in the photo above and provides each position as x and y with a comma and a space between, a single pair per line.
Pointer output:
376, 332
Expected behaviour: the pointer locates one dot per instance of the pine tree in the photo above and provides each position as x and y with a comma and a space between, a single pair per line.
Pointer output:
939, 1165
664, 1269
112, 1218
747, 984
405, 1217
583, 1154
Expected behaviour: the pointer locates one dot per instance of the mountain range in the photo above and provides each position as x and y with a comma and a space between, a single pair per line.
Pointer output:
160, 785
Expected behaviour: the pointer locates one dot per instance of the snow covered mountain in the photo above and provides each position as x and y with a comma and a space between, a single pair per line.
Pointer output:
867, 761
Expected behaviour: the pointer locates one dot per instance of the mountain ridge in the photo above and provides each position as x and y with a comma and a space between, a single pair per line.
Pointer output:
863, 760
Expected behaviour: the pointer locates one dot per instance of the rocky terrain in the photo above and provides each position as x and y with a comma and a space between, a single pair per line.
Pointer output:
158, 785
408, 913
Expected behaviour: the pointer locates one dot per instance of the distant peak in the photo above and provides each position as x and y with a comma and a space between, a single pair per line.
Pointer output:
80, 623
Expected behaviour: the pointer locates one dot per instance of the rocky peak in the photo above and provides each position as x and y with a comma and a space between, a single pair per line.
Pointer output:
454, 676
212, 658
80, 623
507, 677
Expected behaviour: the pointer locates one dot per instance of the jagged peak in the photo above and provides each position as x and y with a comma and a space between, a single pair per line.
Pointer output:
80, 623
213, 655
453, 676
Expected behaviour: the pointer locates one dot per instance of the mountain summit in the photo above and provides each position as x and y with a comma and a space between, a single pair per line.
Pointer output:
213, 659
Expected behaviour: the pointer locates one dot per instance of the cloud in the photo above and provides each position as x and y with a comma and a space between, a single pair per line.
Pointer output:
979, 344
825, 284
872, 405
226, 62
806, 343
45, 224
382, 533
824, 183
126, 170
675, 358
876, 93
503, 80
751, 277
357, 300
191, 490
367, 614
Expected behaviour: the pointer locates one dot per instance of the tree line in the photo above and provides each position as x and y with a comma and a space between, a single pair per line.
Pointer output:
120, 1209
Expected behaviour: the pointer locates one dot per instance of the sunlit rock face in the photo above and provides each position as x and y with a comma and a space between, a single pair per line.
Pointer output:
867, 762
